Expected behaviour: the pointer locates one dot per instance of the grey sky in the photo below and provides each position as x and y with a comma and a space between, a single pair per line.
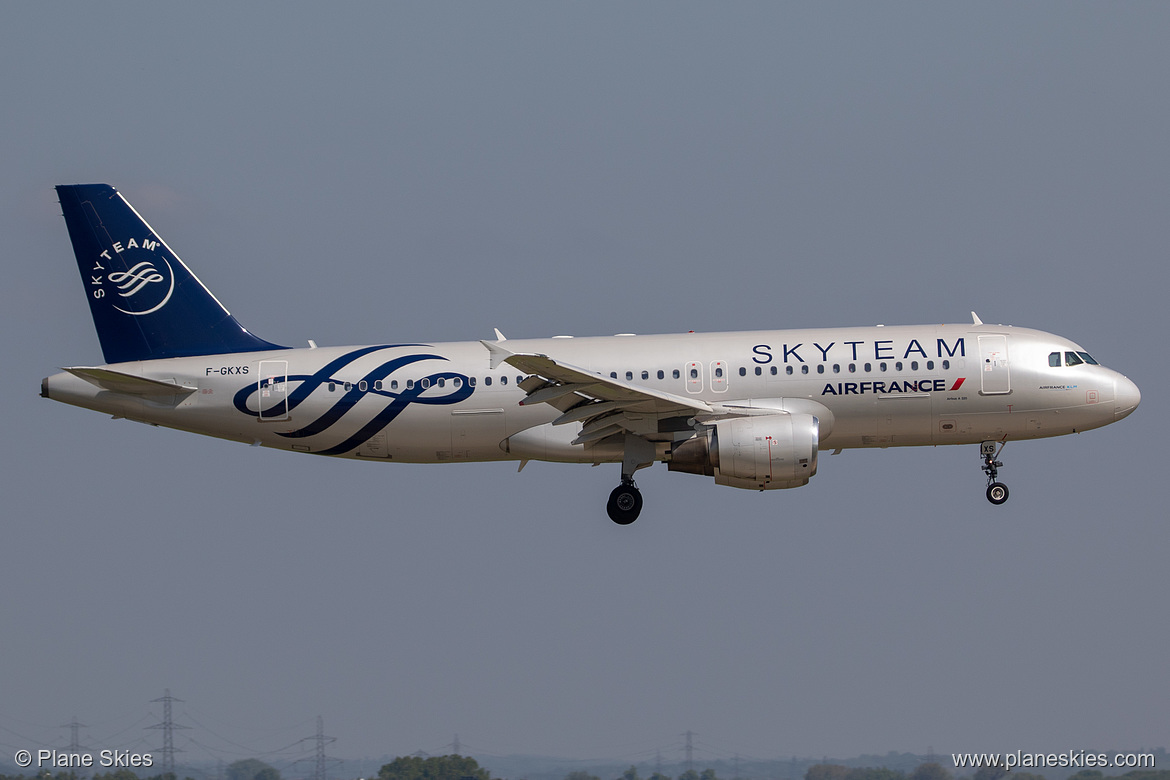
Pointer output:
352, 173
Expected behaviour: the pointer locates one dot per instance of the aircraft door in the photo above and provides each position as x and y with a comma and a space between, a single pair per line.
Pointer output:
993, 360
273, 390
719, 376
694, 377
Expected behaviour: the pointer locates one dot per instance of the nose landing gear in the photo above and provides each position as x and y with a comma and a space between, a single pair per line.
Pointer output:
997, 492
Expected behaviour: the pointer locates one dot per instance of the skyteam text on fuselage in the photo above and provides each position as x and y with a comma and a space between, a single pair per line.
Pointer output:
750, 409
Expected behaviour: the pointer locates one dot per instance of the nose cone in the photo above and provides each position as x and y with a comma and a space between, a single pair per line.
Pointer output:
1128, 396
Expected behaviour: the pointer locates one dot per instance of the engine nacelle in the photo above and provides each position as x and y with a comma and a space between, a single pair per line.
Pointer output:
759, 452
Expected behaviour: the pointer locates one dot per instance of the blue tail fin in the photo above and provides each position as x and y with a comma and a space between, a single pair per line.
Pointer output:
145, 303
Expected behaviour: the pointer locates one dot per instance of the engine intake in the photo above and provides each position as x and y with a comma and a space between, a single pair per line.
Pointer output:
759, 452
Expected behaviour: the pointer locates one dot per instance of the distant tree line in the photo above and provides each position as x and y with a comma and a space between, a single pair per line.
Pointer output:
926, 771
465, 768
935, 771
247, 769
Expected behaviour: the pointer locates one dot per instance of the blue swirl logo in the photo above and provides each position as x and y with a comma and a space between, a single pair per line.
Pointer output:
396, 401
146, 284
132, 281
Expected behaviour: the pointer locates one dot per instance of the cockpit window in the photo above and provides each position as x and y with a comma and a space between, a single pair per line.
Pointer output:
1071, 359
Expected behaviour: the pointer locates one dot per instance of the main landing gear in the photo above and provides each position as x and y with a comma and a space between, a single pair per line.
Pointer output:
625, 502
997, 492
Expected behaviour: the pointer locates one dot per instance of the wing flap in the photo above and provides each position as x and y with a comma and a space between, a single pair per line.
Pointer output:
604, 405
603, 388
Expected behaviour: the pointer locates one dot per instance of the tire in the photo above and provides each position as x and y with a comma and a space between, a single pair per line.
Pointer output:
997, 493
625, 504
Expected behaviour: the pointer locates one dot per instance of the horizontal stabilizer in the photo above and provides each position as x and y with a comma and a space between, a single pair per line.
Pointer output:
128, 384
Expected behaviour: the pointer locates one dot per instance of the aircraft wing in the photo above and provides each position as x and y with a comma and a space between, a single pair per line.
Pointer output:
605, 406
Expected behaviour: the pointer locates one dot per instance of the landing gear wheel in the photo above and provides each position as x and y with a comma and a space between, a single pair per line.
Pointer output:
625, 503
997, 493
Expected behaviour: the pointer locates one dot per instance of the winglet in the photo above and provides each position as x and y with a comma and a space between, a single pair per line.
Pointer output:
975, 319
500, 336
498, 353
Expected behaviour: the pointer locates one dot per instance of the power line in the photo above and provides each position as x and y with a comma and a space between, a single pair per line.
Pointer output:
168, 729
319, 769
74, 742
320, 760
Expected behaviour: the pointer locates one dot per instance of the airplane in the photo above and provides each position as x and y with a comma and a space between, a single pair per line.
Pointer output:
751, 409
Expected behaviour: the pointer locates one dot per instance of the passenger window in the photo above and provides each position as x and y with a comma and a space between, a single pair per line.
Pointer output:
457, 381
930, 365
442, 382
362, 385
409, 384
852, 368
470, 382
694, 373
675, 374
718, 372
487, 380
503, 380
759, 371
332, 386
804, 368
661, 374
946, 364
1071, 359
913, 365
775, 372
426, 383
868, 368
836, 368
613, 375
742, 371
347, 387
1054, 359
820, 368
787, 370
629, 375
898, 366
394, 384
882, 366
646, 374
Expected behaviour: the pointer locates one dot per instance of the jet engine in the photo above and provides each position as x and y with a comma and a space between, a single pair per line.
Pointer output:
757, 452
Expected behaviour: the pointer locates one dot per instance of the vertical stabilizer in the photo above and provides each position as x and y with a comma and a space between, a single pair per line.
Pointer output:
145, 302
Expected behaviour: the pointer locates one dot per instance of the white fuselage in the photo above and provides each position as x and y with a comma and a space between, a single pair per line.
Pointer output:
428, 403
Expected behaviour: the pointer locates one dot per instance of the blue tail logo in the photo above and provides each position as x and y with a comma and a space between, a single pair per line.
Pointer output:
134, 281
145, 302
